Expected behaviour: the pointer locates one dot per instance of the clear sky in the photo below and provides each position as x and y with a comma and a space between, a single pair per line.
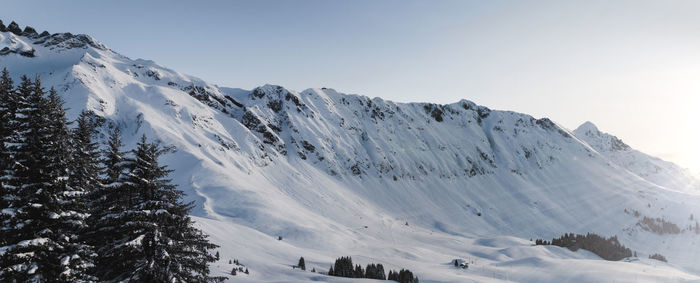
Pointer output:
630, 67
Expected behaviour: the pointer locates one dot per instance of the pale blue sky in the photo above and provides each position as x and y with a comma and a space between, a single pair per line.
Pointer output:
631, 67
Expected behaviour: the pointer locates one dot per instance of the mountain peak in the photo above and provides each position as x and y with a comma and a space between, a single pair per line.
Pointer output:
14, 28
601, 141
587, 126
651, 168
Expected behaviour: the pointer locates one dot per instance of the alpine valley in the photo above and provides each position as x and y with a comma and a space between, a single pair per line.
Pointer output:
278, 174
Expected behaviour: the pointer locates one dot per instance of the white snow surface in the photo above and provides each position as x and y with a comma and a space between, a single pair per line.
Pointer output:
651, 168
342, 175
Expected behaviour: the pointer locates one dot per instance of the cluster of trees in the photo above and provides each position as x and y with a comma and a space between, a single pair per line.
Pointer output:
658, 257
343, 267
609, 249
239, 269
403, 276
376, 271
659, 226
662, 226
73, 212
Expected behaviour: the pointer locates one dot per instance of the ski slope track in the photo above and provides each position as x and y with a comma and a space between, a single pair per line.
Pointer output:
408, 185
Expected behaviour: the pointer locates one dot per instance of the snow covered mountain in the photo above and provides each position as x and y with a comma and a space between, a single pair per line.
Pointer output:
410, 185
653, 169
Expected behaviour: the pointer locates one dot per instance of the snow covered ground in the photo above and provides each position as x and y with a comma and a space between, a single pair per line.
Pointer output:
429, 254
407, 185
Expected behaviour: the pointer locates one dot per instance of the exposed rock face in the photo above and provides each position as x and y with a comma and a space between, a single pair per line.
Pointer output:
46, 39
14, 28
30, 32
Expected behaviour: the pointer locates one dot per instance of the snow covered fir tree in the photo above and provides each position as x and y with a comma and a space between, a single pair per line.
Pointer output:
74, 213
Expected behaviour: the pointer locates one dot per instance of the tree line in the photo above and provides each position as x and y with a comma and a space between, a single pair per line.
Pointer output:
77, 211
343, 267
606, 248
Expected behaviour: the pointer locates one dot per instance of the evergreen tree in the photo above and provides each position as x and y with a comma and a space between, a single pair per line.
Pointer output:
110, 209
343, 267
7, 191
358, 272
380, 272
375, 271
28, 253
84, 178
406, 276
86, 167
160, 244
15, 127
47, 218
302, 264
403, 276
76, 257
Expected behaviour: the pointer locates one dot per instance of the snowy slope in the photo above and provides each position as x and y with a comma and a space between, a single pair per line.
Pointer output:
651, 168
337, 174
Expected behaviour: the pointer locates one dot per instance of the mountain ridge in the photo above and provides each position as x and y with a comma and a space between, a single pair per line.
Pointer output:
651, 168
